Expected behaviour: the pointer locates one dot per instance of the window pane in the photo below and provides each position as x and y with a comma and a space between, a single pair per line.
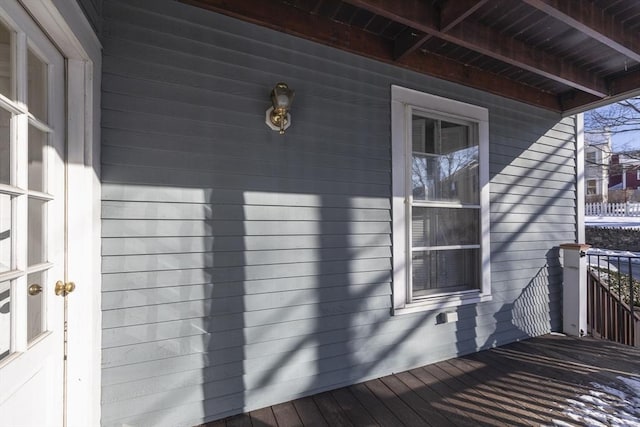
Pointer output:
423, 134
5, 319
454, 137
444, 271
444, 226
5, 147
34, 306
37, 144
6, 65
5, 233
35, 248
424, 177
37, 86
445, 162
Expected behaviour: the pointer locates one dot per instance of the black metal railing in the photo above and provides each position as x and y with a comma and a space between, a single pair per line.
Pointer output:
613, 297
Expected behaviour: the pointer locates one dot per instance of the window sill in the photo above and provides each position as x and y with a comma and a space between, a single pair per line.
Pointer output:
443, 301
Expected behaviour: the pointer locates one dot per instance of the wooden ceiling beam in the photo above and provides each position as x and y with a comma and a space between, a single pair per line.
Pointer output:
423, 17
295, 21
622, 87
511, 51
450, 14
628, 82
408, 42
447, 69
407, 12
587, 18
574, 100
453, 12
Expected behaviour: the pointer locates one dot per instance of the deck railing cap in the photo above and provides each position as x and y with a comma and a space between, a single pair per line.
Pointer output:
575, 246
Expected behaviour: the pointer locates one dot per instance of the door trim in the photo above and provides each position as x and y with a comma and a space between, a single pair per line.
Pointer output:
65, 23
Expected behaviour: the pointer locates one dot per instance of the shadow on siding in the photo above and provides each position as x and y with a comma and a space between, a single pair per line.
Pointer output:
224, 372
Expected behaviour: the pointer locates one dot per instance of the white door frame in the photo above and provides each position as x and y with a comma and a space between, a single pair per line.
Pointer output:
65, 23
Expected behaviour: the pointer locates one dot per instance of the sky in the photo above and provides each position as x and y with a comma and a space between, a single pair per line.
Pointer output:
624, 141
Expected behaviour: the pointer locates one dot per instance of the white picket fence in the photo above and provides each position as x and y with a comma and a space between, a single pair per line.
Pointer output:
612, 209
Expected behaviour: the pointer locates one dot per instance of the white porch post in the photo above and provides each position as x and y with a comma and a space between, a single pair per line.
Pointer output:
574, 289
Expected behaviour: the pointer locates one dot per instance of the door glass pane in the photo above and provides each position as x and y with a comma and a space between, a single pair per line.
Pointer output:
5, 233
35, 306
444, 271
37, 144
35, 228
5, 319
5, 147
5, 61
444, 227
37, 86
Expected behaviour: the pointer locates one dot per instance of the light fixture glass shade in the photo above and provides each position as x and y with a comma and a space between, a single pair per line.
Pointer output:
282, 96
278, 117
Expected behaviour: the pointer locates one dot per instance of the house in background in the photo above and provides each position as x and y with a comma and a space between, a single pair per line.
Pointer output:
625, 171
597, 167
166, 258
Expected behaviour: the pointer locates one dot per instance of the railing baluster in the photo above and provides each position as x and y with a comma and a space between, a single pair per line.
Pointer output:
632, 306
611, 310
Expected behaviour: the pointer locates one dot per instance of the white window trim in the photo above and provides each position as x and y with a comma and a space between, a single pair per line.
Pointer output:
402, 101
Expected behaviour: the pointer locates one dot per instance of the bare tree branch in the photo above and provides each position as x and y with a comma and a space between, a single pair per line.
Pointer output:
621, 117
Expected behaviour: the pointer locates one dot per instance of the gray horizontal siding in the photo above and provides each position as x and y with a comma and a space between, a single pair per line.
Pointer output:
188, 178
155, 227
182, 244
148, 210
136, 192
93, 11
244, 268
230, 259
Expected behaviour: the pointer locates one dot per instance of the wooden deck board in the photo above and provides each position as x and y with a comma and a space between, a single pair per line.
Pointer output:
309, 413
490, 401
503, 397
427, 394
518, 394
263, 418
447, 392
400, 409
352, 408
376, 409
427, 412
469, 392
331, 411
530, 389
242, 420
286, 415
529, 383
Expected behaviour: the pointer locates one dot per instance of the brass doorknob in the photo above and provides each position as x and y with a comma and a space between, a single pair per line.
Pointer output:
34, 290
62, 289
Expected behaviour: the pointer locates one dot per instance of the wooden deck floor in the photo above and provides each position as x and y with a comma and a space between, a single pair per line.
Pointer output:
525, 383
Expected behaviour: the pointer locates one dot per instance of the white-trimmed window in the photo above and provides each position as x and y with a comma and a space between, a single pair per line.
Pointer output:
440, 202
592, 187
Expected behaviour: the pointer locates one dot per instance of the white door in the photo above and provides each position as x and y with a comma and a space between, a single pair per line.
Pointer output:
32, 223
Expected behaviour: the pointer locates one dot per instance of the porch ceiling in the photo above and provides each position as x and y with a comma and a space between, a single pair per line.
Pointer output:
561, 55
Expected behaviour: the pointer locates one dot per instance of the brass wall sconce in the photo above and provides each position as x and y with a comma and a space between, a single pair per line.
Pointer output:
277, 116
